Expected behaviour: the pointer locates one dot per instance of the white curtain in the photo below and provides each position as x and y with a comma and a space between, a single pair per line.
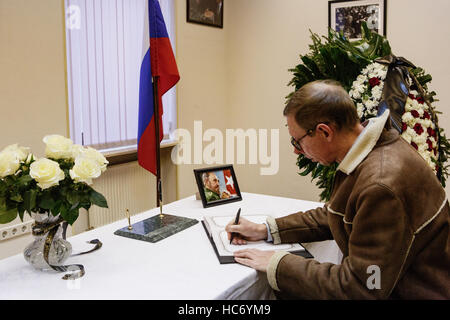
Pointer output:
104, 55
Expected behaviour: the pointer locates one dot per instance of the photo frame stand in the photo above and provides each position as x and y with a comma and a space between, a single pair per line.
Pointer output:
156, 228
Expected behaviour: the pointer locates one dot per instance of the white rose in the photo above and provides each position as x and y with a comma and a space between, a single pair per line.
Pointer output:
58, 147
84, 170
77, 151
20, 152
9, 163
46, 172
95, 155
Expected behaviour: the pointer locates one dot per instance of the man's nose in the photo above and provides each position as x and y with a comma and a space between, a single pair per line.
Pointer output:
296, 151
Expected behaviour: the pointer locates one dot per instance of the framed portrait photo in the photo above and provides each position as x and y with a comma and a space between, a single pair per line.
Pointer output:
217, 185
346, 17
207, 12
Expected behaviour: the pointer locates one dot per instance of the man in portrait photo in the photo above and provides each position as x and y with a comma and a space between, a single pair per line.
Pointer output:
211, 187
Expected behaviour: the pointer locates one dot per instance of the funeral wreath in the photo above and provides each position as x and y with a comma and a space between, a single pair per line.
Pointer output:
376, 80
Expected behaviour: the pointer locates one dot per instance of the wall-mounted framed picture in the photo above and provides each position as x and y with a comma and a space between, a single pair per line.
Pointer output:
207, 12
346, 16
217, 185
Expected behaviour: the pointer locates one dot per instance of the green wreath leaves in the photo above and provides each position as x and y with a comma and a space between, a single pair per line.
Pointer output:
335, 57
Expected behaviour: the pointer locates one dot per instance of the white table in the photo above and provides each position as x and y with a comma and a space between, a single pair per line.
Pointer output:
183, 266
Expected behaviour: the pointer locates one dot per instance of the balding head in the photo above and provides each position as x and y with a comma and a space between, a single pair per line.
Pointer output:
322, 101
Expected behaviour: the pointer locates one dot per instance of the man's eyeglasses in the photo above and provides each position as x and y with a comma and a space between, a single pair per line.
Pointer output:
296, 143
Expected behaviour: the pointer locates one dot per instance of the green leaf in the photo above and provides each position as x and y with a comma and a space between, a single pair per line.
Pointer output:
47, 201
71, 216
98, 199
29, 199
21, 210
73, 197
23, 180
17, 198
7, 215
57, 208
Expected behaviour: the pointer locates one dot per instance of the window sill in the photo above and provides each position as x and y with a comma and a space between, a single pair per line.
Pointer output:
130, 155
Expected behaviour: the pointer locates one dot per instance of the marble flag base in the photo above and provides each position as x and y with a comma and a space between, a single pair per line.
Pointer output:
156, 228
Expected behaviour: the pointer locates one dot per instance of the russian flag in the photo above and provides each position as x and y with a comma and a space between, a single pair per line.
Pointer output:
159, 62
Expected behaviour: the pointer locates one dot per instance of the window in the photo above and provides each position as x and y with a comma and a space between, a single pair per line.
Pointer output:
105, 46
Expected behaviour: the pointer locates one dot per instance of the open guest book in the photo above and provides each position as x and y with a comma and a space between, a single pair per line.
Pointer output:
215, 229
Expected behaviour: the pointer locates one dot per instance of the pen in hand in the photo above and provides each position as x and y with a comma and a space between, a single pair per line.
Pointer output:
236, 221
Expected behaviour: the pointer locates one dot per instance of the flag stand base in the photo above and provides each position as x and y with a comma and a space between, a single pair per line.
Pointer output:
156, 228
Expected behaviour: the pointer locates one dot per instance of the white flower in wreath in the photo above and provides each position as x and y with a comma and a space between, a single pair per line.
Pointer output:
361, 79
355, 94
408, 118
376, 92
407, 137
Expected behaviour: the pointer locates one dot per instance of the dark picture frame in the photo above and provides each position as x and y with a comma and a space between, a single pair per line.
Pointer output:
345, 16
206, 12
217, 185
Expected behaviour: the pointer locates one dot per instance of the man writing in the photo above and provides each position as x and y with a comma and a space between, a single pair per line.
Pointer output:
379, 213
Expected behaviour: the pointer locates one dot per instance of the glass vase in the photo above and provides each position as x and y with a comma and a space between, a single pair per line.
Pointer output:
60, 249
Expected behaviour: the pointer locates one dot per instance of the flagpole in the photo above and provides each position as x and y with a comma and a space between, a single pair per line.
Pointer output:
157, 146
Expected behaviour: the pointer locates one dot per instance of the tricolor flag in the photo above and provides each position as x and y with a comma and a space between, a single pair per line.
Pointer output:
158, 61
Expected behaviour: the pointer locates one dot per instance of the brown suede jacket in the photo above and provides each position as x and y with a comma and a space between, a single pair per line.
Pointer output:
387, 211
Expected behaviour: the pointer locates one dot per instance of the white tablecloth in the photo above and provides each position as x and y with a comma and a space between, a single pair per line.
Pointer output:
183, 266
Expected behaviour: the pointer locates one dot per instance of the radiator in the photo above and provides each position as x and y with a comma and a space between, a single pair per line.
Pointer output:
125, 186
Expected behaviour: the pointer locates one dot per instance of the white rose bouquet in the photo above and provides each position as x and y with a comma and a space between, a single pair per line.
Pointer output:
60, 183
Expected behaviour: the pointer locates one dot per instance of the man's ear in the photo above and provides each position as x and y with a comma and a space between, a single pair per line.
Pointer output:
326, 130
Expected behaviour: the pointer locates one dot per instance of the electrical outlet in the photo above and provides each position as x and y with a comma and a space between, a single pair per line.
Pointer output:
15, 230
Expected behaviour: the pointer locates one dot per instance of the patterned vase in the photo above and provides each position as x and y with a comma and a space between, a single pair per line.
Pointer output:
47, 226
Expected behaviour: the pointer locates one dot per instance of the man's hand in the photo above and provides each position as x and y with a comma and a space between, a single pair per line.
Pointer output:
225, 195
246, 230
254, 258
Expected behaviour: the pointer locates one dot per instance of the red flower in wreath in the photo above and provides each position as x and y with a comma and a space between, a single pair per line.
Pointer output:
418, 128
404, 126
415, 146
430, 145
415, 114
374, 81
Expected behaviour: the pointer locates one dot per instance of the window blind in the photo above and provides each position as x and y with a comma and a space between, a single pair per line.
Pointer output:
105, 44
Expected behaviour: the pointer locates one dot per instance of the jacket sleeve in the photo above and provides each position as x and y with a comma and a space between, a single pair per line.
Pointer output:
306, 226
379, 244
